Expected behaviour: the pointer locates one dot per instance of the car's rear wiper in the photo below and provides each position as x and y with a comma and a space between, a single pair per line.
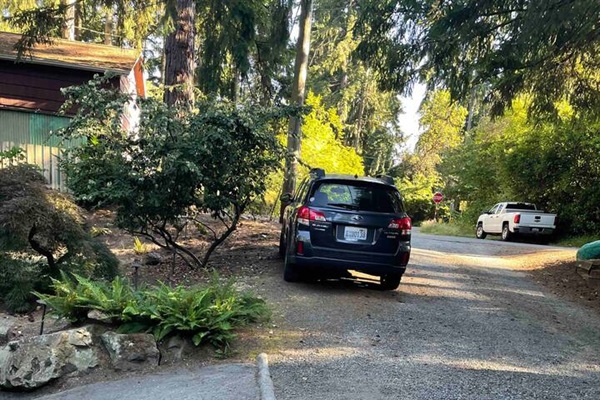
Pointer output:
344, 205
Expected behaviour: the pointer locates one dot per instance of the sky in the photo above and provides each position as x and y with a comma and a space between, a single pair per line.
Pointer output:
409, 119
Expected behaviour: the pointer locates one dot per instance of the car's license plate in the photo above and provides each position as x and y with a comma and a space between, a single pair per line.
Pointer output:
355, 234
535, 229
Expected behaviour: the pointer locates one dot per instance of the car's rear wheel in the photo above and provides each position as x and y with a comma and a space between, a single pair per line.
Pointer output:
506, 233
479, 232
390, 281
290, 270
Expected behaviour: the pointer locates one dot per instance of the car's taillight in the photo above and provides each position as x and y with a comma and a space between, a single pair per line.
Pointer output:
404, 225
517, 218
305, 215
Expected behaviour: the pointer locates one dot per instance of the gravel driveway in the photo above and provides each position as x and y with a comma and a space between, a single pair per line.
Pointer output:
464, 324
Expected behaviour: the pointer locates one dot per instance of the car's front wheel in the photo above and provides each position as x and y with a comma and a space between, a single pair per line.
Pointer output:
390, 281
479, 232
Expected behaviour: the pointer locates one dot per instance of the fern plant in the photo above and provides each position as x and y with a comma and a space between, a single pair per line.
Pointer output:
207, 315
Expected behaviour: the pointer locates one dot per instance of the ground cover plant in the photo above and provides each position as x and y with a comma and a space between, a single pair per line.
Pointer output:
207, 314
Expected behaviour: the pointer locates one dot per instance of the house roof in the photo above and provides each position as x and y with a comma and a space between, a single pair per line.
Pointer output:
71, 54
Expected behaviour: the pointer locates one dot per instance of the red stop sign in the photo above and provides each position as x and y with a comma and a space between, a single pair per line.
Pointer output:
438, 197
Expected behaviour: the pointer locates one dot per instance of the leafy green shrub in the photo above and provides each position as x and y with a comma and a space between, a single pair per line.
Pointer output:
417, 195
42, 233
18, 278
177, 166
207, 315
12, 156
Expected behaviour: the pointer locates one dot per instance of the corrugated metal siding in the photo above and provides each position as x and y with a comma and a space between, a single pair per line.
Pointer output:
32, 132
14, 127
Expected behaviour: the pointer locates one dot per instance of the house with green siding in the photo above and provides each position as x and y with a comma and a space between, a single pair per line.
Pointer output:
30, 93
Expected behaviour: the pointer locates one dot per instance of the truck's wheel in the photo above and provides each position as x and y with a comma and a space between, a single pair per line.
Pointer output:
479, 232
506, 234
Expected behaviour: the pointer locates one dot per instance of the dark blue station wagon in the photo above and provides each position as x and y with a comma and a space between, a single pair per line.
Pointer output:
336, 223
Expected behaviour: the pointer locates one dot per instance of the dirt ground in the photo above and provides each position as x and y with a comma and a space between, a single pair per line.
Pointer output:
562, 280
250, 252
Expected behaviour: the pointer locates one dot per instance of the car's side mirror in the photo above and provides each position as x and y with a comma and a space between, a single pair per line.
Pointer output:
286, 198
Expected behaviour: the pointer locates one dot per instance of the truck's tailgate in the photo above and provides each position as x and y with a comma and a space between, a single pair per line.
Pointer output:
541, 220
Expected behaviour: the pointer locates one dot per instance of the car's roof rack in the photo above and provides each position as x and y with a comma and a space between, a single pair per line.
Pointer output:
317, 172
385, 178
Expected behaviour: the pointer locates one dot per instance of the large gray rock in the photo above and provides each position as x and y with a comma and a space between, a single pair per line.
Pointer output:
131, 352
35, 361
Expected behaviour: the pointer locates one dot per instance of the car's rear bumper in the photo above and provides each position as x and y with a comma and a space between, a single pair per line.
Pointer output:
531, 231
370, 263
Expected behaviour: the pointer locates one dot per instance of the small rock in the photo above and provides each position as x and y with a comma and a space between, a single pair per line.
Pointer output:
172, 352
99, 316
152, 258
131, 352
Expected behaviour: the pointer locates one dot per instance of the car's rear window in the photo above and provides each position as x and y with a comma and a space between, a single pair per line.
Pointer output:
520, 206
362, 196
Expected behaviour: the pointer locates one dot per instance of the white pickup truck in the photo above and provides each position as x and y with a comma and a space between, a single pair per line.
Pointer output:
513, 218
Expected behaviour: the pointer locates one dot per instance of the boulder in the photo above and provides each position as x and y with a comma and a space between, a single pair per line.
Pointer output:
35, 361
132, 351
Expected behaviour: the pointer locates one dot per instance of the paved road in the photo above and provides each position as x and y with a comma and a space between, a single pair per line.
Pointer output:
464, 324
216, 382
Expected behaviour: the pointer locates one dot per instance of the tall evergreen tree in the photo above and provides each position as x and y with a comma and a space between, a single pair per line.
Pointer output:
179, 54
546, 47
294, 139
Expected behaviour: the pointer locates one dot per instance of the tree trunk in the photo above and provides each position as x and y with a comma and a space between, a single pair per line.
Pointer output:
359, 121
298, 93
342, 105
52, 268
108, 26
471, 106
78, 21
68, 29
179, 53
